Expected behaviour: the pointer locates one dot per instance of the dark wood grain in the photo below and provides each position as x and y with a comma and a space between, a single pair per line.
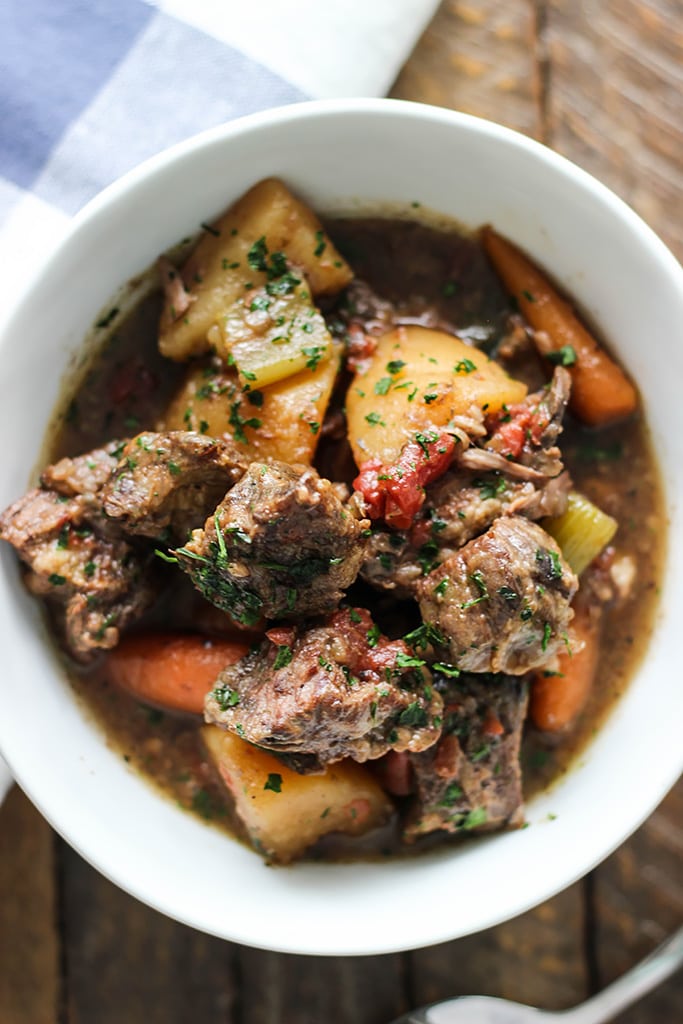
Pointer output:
601, 81
29, 934
123, 961
614, 103
537, 958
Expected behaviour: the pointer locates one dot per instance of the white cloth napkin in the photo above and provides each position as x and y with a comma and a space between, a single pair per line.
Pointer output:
90, 90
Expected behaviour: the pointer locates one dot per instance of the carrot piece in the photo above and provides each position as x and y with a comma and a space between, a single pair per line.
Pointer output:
601, 392
557, 700
171, 671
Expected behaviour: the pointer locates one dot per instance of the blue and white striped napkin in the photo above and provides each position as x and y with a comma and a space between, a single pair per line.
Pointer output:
89, 88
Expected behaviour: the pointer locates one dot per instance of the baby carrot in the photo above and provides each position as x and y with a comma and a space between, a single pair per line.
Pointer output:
601, 392
557, 700
171, 671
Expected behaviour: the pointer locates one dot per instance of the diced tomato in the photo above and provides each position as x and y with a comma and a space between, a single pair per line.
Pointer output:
281, 635
510, 429
492, 725
396, 493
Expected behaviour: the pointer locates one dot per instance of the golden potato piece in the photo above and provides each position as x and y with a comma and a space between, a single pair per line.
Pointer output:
220, 270
289, 413
270, 337
420, 378
284, 813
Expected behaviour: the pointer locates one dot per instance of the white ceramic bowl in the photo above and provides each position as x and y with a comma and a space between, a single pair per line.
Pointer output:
334, 154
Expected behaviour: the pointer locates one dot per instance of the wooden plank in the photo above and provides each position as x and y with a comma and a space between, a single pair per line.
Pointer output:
638, 901
29, 943
537, 958
479, 56
301, 989
126, 962
614, 100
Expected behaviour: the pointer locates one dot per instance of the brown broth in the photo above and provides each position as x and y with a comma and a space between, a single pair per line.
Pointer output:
435, 277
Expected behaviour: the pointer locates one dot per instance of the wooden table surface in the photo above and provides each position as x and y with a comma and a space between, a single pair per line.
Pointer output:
600, 81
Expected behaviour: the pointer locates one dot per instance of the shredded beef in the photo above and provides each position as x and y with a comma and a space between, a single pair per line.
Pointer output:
335, 690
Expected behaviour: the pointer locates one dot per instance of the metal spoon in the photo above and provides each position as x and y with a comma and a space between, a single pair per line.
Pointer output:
603, 1007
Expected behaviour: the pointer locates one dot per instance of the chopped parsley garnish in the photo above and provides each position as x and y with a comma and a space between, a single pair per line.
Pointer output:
480, 583
508, 594
452, 793
55, 580
171, 559
173, 468
441, 588
257, 255
63, 538
547, 634
446, 670
476, 817
354, 616
89, 569
426, 439
314, 426
274, 782
211, 230
465, 366
321, 244
255, 398
528, 296
225, 697
413, 715
238, 423
395, 366
565, 356
374, 419
283, 656
382, 385
489, 489
425, 635
315, 354
373, 635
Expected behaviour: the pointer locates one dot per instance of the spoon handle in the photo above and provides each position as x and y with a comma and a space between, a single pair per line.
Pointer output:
645, 976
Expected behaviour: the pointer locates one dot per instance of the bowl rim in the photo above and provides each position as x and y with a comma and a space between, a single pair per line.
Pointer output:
259, 122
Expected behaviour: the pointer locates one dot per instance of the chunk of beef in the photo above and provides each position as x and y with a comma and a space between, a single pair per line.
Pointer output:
83, 475
502, 602
97, 584
471, 779
359, 319
336, 690
165, 485
459, 506
280, 544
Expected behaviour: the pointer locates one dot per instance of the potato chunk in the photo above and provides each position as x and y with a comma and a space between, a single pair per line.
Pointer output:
220, 270
270, 337
284, 813
420, 378
289, 413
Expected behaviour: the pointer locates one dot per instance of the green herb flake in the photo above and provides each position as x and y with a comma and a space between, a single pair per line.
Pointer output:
382, 385
55, 580
464, 366
174, 469
283, 656
374, 419
225, 697
565, 356
395, 366
321, 243
373, 635
414, 715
